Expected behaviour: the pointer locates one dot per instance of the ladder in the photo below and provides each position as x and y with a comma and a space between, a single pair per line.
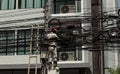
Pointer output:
34, 38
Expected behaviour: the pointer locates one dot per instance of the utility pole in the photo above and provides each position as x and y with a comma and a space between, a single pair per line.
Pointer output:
97, 51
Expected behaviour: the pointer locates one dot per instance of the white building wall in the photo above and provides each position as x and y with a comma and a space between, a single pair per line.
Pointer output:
111, 56
21, 61
21, 17
109, 5
23, 14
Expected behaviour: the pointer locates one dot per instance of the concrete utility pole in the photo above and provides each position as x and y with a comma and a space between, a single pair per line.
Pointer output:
96, 12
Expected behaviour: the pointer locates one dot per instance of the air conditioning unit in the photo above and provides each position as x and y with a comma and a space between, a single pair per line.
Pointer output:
66, 56
67, 9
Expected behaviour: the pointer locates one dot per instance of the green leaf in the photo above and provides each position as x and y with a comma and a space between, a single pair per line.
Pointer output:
111, 71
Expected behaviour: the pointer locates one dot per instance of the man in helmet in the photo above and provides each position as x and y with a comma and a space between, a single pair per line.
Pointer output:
52, 48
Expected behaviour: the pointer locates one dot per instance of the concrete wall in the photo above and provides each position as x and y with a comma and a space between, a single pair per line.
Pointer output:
21, 17
21, 61
110, 56
110, 6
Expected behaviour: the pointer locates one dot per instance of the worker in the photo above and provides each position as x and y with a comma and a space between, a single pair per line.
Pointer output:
52, 48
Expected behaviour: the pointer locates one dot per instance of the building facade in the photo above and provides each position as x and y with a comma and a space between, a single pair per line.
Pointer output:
17, 16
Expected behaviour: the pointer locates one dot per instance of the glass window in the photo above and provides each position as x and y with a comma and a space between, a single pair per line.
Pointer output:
23, 41
7, 44
10, 42
24, 36
20, 44
21, 3
3, 43
10, 50
28, 34
4, 4
31, 4
21, 50
28, 49
11, 4
67, 6
37, 3
7, 4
